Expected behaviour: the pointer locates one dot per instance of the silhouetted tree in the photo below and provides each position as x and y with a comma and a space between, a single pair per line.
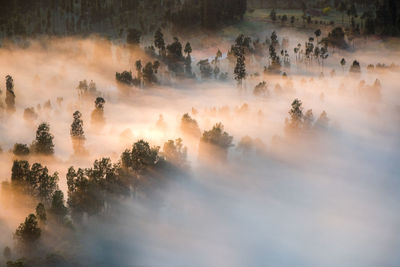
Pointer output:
10, 95
98, 112
43, 143
20, 149
159, 42
41, 213
294, 124
57, 207
175, 152
190, 126
29, 231
77, 133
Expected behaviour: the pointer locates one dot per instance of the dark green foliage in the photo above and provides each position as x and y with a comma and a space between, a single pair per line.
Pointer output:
43, 143
190, 126
159, 42
89, 188
41, 213
77, 126
29, 231
336, 38
218, 137
140, 157
45, 184
240, 69
175, 50
295, 122
20, 149
35, 181
20, 172
149, 71
98, 112
57, 205
126, 78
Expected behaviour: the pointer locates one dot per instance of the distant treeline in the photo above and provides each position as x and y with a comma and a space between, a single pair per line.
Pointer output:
112, 17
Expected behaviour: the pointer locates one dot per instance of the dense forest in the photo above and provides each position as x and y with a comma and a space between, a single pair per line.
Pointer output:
111, 17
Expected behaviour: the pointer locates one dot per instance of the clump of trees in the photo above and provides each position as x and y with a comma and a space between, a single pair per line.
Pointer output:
261, 89
175, 152
20, 149
34, 180
214, 144
189, 126
43, 144
86, 90
300, 123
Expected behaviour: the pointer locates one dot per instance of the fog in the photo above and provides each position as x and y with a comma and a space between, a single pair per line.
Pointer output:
328, 200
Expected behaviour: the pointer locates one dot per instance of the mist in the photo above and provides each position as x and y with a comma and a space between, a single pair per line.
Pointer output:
328, 199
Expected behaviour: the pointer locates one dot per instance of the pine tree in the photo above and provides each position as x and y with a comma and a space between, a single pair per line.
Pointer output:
240, 69
29, 231
77, 133
43, 143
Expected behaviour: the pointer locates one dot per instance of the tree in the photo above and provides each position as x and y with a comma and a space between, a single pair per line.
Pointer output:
140, 157
148, 74
28, 232
43, 183
190, 126
217, 136
317, 34
175, 152
240, 69
214, 144
343, 63
77, 133
98, 112
41, 213
10, 95
133, 37
188, 49
272, 15
57, 205
206, 70
20, 173
43, 143
21, 149
159, 42
295, 122
355, 67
